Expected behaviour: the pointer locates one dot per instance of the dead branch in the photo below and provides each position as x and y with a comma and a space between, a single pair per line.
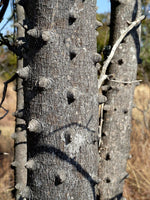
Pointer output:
126, 82
4, 4
103, 75
15, 49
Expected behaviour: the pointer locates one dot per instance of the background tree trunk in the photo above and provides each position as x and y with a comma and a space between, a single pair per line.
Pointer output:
117, 111
61, 104
20, 152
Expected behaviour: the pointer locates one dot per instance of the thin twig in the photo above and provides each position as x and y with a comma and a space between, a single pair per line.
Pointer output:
126, 82
103, 75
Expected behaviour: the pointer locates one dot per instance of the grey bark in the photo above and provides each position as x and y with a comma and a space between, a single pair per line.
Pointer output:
61, 101
20, 152
115, 144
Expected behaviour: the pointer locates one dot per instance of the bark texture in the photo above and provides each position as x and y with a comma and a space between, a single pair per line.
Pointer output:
115, 144
20, 154
61, 102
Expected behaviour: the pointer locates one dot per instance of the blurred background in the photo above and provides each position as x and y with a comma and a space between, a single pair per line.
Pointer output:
138, 183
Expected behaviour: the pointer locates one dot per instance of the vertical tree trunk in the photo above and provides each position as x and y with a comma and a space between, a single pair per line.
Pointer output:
61, 104
117, 111
20, 134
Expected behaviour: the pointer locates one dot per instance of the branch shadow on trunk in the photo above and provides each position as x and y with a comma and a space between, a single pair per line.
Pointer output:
42, 149
72, 124
63, 156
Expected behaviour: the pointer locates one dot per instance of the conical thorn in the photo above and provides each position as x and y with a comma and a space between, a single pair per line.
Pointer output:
102, 98
30, 165
96, 58
14, 164
35, 126
24, 72
45, 83
98, 24
35, 33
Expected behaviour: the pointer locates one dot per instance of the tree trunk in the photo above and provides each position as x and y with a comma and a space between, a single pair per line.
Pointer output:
115, 144
61, 102
20, 152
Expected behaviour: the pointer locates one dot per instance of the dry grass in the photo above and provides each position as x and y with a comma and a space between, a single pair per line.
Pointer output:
9, 104
6, 173
6, 144
137, 186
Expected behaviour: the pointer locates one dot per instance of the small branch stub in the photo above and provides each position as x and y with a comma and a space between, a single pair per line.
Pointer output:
35, 126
